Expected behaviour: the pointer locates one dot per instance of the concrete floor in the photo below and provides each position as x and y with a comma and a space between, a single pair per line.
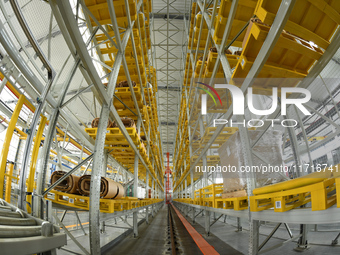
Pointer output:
153, 237
108, 236
319, 241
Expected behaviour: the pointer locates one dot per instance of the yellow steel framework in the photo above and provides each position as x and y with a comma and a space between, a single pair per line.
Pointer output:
141, 73
106, 205
307, 34
7, 141
9, 177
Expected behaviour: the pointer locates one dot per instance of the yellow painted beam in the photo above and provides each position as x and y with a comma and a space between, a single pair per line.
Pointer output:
7, 141
9, 182
20, 132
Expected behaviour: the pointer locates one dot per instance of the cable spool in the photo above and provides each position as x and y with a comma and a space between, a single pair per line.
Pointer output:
125, 84
214, 50
69, 185
238, 53
108, 188
201, 58
128, 122
95, 123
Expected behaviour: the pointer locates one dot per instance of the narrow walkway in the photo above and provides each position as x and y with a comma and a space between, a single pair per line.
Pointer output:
219, 246
153, 239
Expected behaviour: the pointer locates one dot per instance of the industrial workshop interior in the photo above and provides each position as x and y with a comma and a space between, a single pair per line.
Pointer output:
155, 127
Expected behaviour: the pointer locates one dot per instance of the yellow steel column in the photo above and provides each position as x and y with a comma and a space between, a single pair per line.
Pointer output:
8, 190
30, 182
7, 142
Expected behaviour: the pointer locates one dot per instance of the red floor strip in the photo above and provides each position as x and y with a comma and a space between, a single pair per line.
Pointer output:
202, 244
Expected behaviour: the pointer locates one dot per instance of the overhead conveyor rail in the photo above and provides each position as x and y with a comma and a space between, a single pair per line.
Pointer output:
21, 233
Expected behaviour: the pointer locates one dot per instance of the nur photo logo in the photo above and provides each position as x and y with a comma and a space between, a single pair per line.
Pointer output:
238, 103
204, 96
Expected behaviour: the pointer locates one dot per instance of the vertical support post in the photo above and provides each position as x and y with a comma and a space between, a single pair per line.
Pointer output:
7, 141
192, 184
152, 189
147, 196
105, 163
135, 187
135, 224
302, 244
239, 227
152, 196
204, 158
135, 181
102, 227
207, 222
147, 185
95, 181
33, 165
9, 182
254, 225
49, 210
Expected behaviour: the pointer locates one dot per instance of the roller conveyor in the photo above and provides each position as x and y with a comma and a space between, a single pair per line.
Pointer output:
17, 229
